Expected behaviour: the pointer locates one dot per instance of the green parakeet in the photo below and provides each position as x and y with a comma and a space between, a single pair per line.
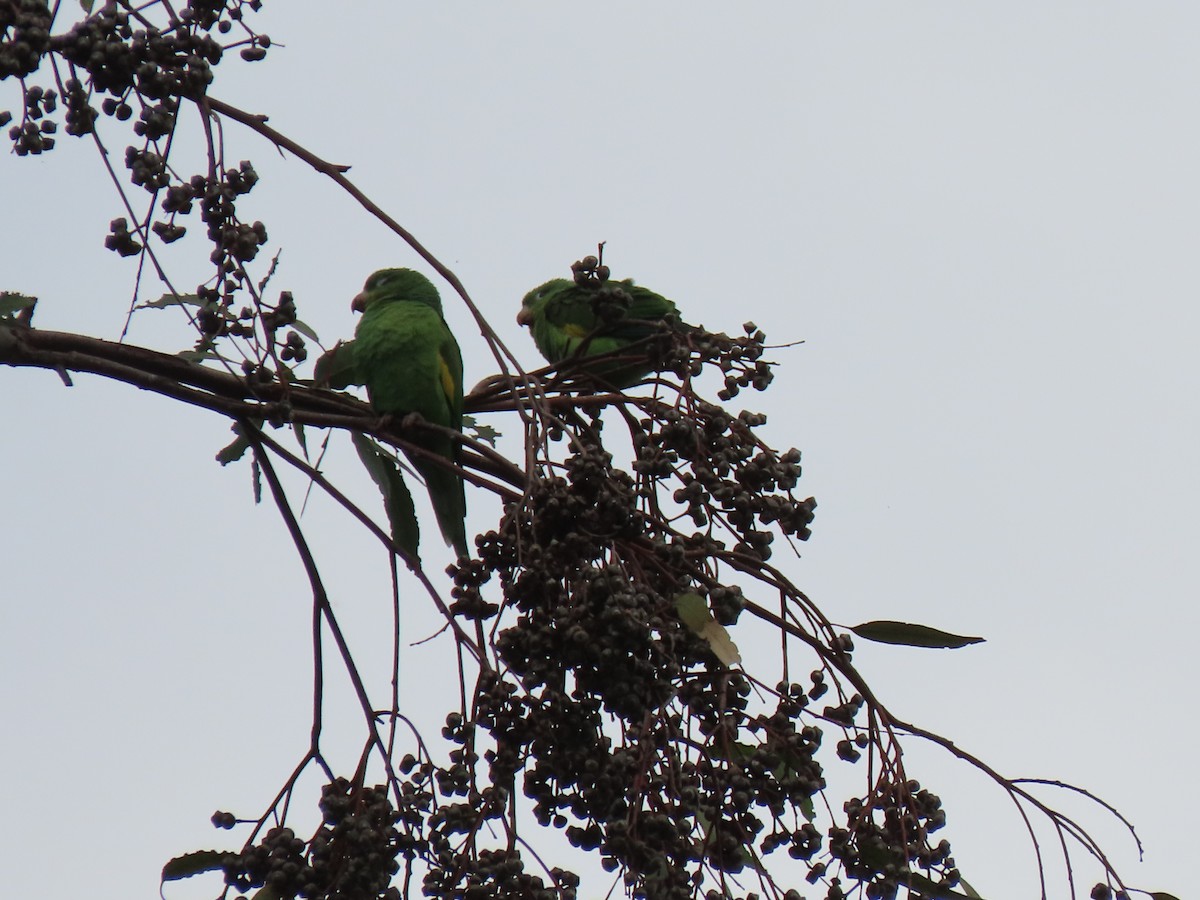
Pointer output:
588, 317
410, 363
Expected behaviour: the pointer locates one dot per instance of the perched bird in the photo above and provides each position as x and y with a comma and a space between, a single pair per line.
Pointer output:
591, 316
410, 363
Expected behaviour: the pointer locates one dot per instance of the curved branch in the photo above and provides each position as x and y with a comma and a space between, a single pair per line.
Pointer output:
233, 396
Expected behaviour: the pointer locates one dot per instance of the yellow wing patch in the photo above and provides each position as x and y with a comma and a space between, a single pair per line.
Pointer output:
576, 331
449, 386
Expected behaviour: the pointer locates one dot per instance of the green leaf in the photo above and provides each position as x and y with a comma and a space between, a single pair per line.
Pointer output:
171, 300
789, 764
235, 450
335, 368
693, 612
1163, 895
86, 6
397, 501
485, 433
193, 864
922, 888
197, 355
305, 330
888, 632
808, 809
12, 303
743, 856
742, 752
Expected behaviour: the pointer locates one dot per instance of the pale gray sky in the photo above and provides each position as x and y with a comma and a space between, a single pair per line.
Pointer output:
981, 219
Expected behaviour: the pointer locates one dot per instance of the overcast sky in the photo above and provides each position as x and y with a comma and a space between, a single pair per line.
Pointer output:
982, 220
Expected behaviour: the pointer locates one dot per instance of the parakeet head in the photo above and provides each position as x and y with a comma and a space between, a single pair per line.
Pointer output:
535, 301
388, 285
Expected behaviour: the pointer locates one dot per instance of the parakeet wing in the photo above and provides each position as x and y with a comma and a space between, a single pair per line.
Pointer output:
563, 319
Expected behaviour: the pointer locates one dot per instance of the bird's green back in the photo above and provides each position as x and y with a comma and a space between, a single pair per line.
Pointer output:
562, 316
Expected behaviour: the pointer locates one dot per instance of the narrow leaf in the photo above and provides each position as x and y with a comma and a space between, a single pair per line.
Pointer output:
197, 355
923, 888
397, 501
193, 864
808, 809
888, 632
305, 330
485, 433
743, 856
167, 300
694, 613
236, 450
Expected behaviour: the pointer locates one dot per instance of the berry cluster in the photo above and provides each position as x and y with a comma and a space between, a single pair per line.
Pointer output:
702, 784
1104, 892
154, 63
611, 715
120, 239
726, 473
593, 580
24, 36
500, 874
124, 66
353, 854
35, 133
887, 836
216, 318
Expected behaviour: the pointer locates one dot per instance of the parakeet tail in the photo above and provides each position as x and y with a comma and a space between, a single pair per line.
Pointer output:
447, 494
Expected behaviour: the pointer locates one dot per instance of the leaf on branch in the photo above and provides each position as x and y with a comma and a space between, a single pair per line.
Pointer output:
734, 859
197, 356
884, 631
236, 450
397, 500
167, 300
789, 764
16, 307
922, 888
694, 613
305, 330
193, 864
485, 433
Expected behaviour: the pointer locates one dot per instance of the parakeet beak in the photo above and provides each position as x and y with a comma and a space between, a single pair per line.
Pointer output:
525, 316
359, 303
